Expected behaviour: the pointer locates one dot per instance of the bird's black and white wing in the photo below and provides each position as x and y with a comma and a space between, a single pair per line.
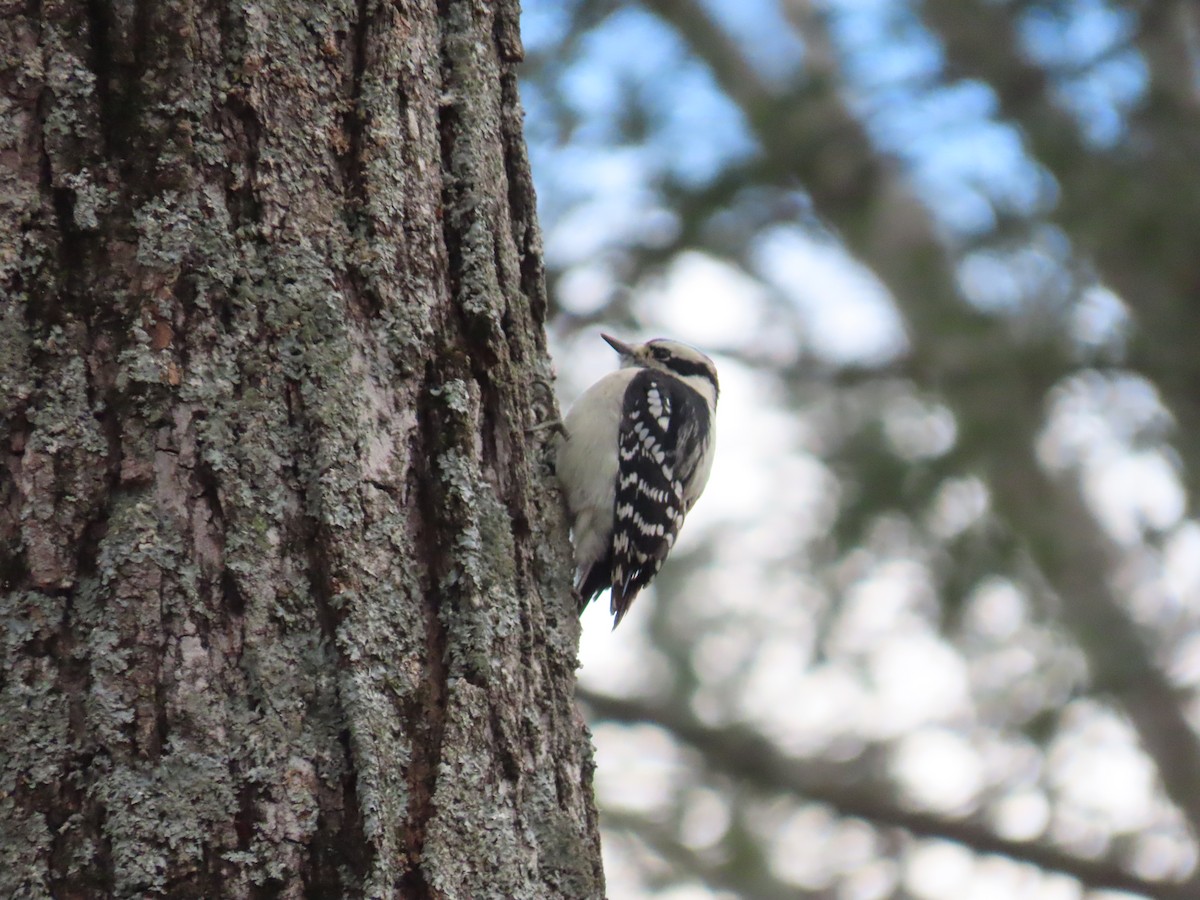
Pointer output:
663, 441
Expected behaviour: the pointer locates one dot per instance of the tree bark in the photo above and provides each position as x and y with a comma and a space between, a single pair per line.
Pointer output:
284, 580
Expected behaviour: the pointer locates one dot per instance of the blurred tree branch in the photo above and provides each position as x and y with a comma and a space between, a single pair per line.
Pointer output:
1132, 208
741, 753
812, 133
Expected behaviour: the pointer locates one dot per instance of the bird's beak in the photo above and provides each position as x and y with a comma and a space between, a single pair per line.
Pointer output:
624, 349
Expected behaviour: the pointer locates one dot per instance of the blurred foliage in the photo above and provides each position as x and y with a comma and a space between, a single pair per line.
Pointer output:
933, 631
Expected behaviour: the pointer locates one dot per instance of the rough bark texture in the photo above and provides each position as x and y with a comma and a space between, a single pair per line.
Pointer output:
284, 581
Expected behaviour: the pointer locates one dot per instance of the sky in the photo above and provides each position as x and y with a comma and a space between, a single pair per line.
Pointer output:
771, 491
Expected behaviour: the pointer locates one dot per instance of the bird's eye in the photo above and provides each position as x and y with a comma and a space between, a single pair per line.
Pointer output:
660, 352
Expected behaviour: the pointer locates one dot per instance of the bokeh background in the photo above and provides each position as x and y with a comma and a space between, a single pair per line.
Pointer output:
932, 631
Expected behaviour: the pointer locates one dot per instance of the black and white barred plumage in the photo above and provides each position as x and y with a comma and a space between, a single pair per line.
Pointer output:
637, 455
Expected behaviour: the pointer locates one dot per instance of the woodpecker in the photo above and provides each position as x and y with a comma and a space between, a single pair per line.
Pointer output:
637, 452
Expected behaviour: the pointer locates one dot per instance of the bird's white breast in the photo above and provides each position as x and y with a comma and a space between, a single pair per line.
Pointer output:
587, 462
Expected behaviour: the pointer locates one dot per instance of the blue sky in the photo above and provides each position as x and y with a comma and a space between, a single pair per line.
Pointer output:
638, 109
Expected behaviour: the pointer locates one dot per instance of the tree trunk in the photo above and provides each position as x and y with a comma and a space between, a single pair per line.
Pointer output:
284, 580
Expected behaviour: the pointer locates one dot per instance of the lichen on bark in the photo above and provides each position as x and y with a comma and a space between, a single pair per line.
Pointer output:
285, 581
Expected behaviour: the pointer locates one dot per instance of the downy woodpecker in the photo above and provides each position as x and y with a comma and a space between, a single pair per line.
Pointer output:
637, 453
